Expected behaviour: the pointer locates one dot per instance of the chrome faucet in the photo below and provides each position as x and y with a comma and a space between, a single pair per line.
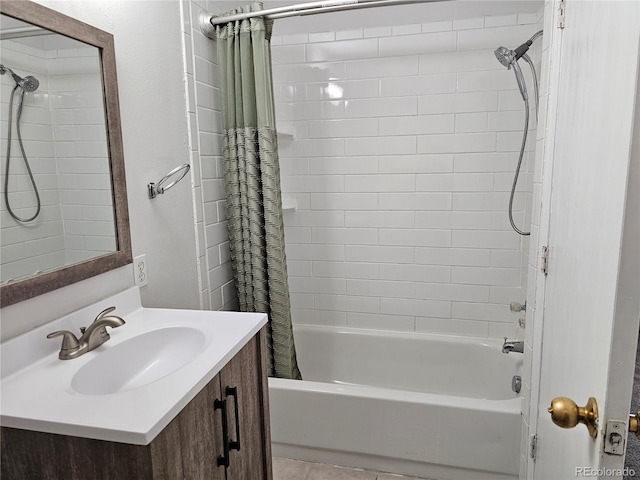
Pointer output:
512, 346
92, 336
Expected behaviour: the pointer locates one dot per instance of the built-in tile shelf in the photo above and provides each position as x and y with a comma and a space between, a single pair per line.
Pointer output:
285, 134
289, 204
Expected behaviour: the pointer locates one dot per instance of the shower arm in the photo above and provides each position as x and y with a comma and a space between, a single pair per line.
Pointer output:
535, 36
522, 49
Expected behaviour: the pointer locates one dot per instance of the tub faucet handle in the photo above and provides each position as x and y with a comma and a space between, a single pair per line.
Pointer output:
517, 307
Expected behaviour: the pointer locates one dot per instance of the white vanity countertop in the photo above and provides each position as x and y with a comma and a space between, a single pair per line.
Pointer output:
36, 386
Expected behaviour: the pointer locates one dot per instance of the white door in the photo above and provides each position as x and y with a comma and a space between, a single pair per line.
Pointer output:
588, 318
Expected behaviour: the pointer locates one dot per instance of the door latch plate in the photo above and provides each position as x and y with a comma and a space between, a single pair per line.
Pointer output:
615, 435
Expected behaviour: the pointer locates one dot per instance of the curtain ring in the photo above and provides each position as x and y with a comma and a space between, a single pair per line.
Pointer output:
155, 190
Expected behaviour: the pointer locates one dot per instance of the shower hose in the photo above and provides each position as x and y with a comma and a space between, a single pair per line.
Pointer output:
517, 174
524, 142
24, 157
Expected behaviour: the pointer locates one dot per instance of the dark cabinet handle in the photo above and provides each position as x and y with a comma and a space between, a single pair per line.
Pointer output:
233, 391
223, 459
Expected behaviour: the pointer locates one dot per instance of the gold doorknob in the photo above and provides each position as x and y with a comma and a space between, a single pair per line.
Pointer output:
634, 424
566, 414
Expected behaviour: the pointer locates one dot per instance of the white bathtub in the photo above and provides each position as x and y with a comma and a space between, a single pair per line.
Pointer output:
425, 405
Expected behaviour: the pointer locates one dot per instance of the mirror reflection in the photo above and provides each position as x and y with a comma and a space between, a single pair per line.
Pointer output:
57, 203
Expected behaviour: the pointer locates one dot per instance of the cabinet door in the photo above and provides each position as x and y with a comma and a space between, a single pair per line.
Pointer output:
201, 435
247, 374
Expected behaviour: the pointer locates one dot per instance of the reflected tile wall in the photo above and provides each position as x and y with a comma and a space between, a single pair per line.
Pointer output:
64, 137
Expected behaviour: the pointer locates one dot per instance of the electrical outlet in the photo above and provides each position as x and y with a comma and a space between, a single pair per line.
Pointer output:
140, 270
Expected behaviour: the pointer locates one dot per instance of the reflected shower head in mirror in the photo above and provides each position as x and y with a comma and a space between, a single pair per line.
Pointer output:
28, 83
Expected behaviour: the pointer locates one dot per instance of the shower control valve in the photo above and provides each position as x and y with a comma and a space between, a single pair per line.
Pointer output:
517, 307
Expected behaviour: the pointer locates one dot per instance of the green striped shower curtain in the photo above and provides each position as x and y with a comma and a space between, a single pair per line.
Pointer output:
252, 182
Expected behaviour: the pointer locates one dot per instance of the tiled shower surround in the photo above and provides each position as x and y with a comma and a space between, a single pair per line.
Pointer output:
63, 130
399, 147
217, 290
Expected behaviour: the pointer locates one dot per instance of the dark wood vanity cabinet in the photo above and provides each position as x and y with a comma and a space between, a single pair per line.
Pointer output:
196, 445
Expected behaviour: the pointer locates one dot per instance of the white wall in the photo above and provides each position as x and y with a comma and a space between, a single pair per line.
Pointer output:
148, 46
405, 141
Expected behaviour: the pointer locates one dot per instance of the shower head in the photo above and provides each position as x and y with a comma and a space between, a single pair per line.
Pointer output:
28, 83
508, 57
505, 56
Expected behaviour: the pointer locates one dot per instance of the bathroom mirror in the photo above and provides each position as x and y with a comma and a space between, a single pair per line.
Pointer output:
59, 84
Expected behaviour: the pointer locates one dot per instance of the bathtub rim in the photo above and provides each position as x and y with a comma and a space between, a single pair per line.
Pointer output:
510, 405
456, 341
399, 334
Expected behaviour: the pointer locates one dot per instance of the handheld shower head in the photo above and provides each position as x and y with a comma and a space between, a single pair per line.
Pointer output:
505, 56
28, 83
509, 58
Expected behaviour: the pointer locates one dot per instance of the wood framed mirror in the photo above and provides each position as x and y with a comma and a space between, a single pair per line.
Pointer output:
77, 153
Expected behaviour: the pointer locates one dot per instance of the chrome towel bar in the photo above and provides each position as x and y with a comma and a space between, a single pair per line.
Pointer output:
159, 188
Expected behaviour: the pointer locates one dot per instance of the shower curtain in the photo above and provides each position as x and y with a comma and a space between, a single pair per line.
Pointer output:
252, 182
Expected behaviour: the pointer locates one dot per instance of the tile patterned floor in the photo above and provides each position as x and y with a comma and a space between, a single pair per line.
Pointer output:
285, 469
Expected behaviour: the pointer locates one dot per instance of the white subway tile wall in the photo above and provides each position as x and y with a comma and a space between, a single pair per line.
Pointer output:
215, 277
531, 277
64, 135
406, 138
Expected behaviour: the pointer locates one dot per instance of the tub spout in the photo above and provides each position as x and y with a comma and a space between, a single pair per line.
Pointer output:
512, 346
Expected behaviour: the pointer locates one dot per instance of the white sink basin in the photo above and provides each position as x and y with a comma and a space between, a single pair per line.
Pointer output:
139, 361
130, 387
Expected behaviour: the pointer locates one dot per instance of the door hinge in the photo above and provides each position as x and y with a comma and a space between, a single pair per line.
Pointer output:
561, 11
615, 433
533, 446
544, 260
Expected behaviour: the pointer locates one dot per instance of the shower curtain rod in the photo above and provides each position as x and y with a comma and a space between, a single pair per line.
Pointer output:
208, 21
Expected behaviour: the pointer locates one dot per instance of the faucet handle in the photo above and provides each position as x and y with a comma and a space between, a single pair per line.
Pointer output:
104, 312
69, 340
103, 315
